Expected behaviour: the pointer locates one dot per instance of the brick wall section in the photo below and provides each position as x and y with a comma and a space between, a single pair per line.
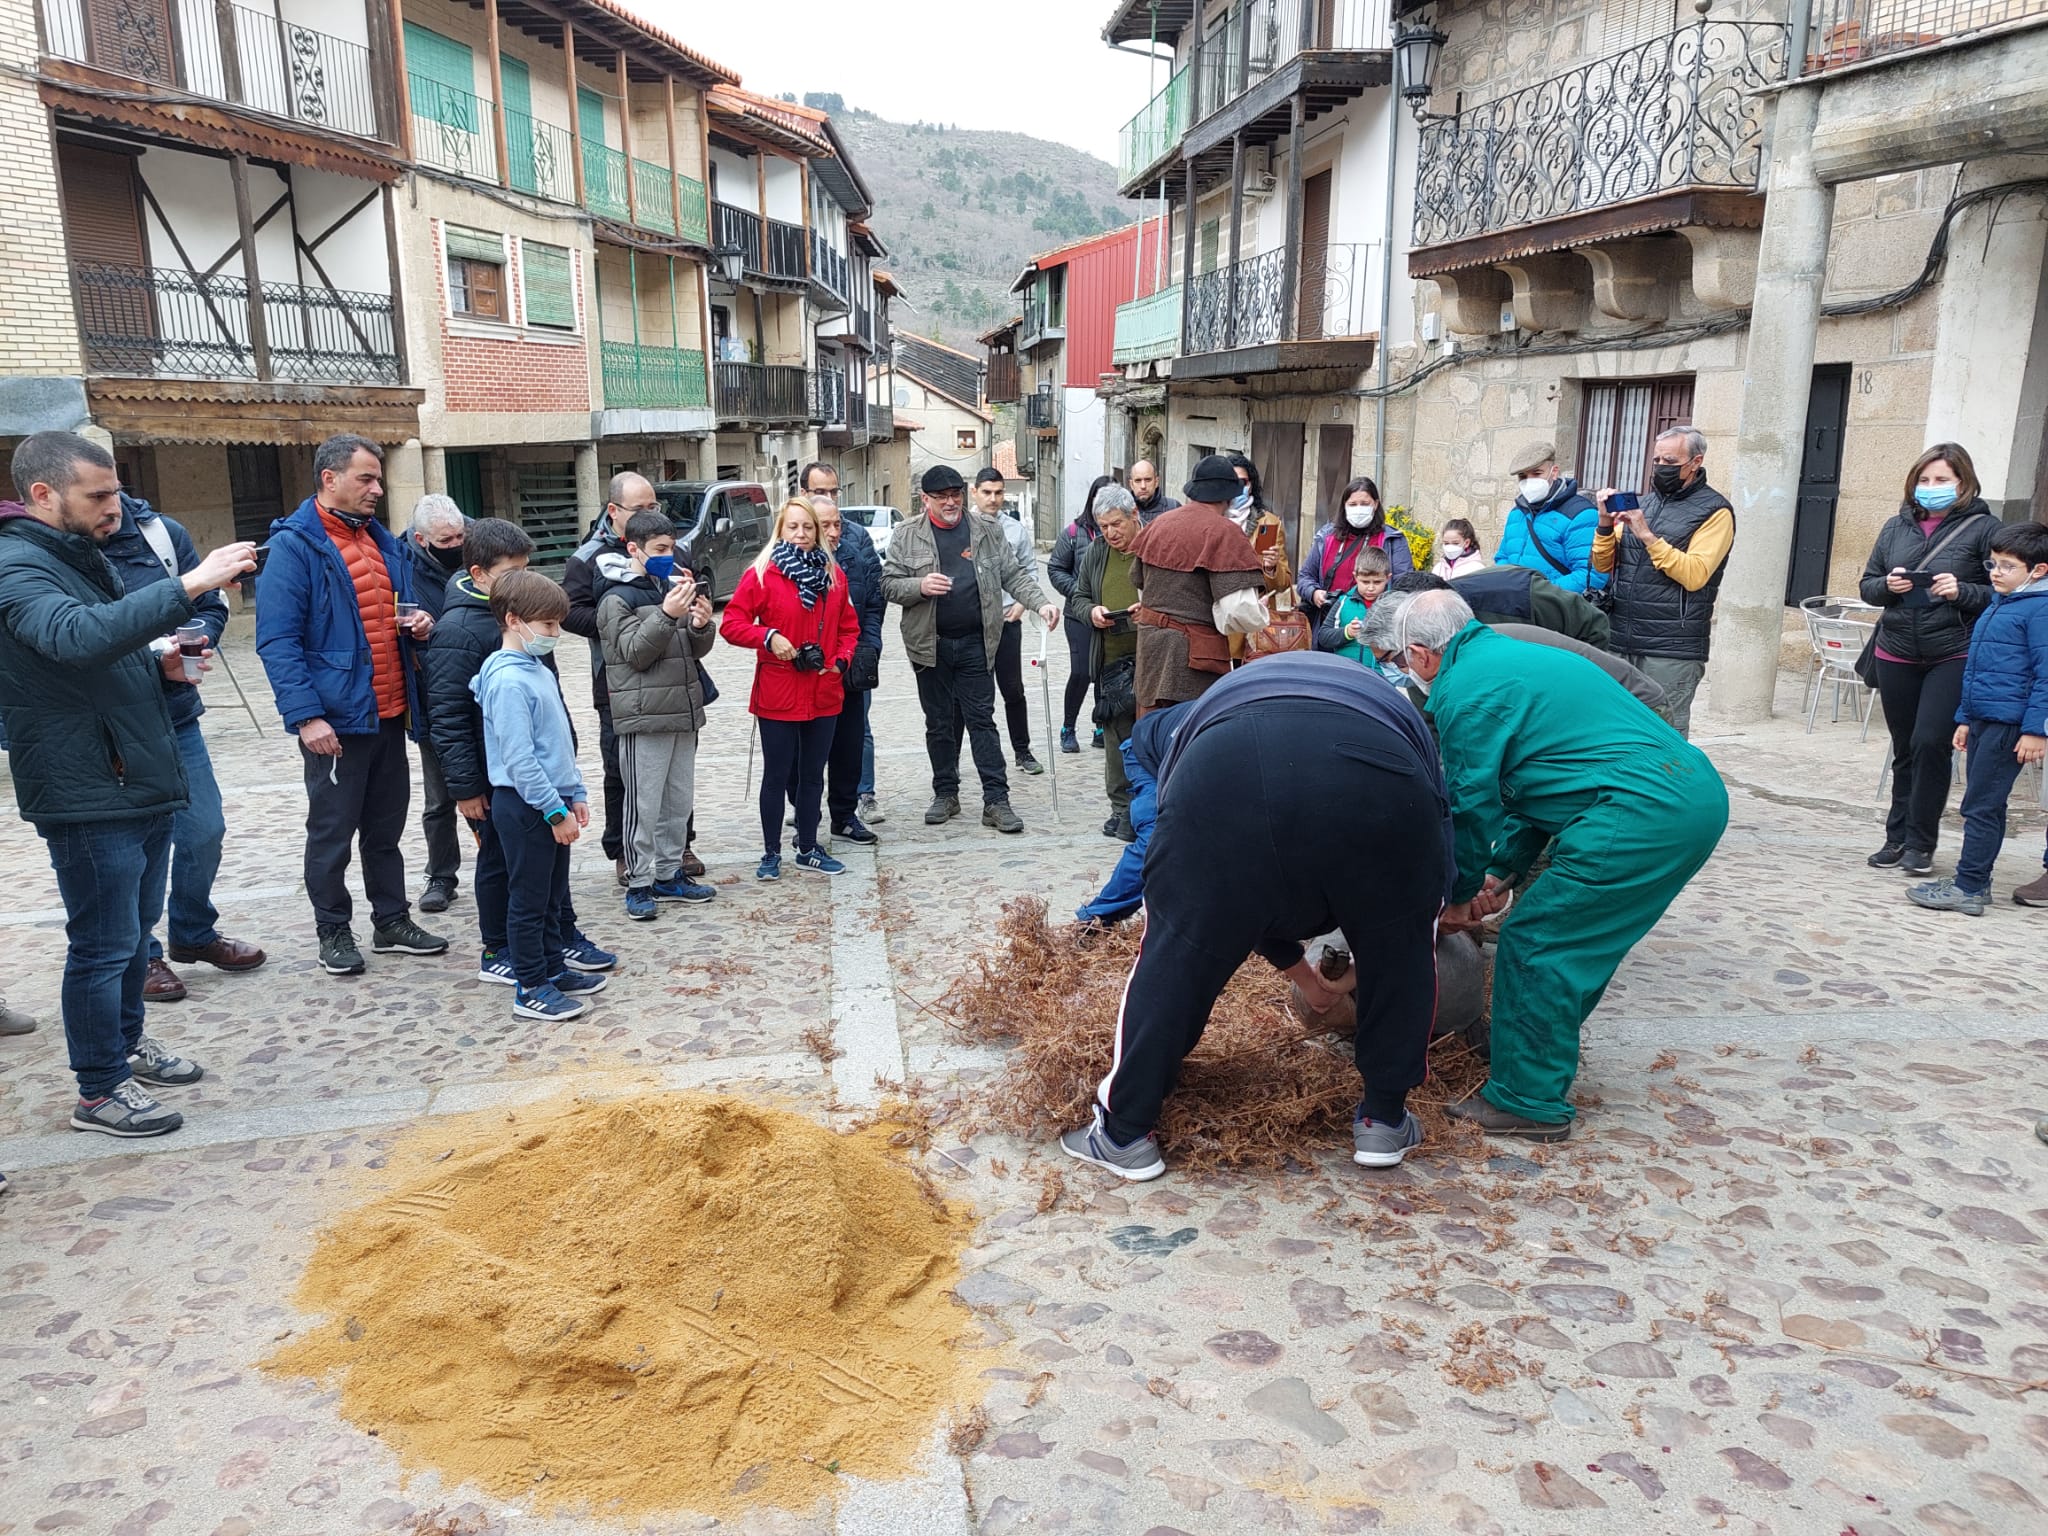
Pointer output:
41, 334
511, 373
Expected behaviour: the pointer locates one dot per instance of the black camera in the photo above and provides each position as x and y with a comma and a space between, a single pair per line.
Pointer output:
809, 657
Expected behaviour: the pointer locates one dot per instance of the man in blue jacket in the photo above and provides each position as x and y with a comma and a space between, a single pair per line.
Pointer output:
341, 671
1552, 524
149, 548
852, 547
94, 757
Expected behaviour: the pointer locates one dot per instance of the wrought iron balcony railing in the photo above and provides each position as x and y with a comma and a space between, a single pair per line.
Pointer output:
1260, 37
226, 53
604, 180
1677, 111
760, 392
161, 324
1042, 410
654, 192
653, 378
1337, 295
740, 227
453, 130
857, 414
828, 397
1849, 31
537, 153
785, 249
1155, 131
1147, 328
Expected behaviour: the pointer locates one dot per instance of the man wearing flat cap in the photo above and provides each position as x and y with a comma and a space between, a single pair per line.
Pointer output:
948, 571
1552, 524
1199, 581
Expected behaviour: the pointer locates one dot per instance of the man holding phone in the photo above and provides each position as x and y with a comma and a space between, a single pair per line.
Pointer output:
1103, 597
1666, 554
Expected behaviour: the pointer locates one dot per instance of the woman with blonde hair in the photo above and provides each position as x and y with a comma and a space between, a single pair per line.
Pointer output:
791, 609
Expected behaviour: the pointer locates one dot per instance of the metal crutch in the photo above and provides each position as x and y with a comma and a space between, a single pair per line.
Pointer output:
228, 667
1052, 741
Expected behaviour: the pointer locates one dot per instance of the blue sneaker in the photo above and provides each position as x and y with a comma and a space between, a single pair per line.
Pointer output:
581, 954
578, 983
495, 967
545, 1002
641, 905
770, 867
682, 889
819, 862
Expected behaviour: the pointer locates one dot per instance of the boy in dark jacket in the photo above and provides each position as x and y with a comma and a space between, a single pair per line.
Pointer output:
465, 637
654, 625
2003, 717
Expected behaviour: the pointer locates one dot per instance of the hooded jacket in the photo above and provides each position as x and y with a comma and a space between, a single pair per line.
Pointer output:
527, 741
650, 658
2006, 678
135, 561
462, 642
1554, 537
88, 730
1922, 631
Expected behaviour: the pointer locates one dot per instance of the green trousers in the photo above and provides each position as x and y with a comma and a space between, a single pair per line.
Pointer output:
1613, 872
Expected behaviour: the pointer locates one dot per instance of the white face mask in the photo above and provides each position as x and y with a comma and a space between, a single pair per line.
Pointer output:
1535, 490
1361, 518
1414, 676
1452, 551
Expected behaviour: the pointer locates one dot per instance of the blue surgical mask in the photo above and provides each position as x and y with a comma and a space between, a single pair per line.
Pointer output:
1244, 499
1934, 498
1400, 677
660, 567
539, 645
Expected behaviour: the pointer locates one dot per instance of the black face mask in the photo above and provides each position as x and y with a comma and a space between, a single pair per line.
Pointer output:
355, 520
450, 560
1669, 479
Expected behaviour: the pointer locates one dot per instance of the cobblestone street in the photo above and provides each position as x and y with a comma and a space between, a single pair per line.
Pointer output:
1789, 1276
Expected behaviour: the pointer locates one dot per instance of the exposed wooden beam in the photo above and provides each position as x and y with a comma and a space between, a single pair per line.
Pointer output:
626, 136
499, 136
259, 329
395, 19
1290, 259
575, 112
675, 160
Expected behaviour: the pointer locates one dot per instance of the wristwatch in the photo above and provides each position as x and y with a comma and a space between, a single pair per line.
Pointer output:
557, 816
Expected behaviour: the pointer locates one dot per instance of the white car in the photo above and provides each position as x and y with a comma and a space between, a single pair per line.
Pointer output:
880, 523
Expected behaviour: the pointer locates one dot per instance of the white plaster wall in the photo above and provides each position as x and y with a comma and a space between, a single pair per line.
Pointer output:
1084, 432
735, 175
355, 255
785, 191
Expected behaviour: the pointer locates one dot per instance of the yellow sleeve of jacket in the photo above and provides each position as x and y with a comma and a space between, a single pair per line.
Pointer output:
1694, 566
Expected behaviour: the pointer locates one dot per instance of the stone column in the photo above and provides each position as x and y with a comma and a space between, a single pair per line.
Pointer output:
404, 480
434, 470
1770, 445
589, 494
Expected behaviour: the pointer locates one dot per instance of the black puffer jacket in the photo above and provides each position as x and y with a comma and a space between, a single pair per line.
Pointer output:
1064, 563
1931, 631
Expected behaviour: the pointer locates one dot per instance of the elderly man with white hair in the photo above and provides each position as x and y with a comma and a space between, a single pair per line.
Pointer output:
434, 545
1539, 744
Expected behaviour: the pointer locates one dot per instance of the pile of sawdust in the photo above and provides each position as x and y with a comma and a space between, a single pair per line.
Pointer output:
1259, 1090
679, 1301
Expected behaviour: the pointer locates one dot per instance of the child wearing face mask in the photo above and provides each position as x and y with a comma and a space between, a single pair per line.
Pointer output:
1457, 549
1343, 632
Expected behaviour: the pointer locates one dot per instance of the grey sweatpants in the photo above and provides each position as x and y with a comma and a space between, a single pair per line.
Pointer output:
1680, 680
660, 772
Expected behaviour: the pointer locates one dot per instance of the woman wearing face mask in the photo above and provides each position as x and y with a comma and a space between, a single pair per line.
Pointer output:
1261, 525
1457, 549
1360, 522
1927, 572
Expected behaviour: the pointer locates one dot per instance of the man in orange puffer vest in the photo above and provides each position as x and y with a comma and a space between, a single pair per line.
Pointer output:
340, 664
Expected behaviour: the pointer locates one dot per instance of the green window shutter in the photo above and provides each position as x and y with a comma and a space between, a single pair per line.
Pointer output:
518, 88
550, 285
443, 78
590, 115
473, 244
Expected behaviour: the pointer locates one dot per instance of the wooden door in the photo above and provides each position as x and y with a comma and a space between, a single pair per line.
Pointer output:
103, 234
1333, 473
1820, 484
1315, 253
1277, 449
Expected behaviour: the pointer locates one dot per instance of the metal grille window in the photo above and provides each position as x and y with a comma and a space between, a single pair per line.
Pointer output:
546, 496
550, 273
1619, 425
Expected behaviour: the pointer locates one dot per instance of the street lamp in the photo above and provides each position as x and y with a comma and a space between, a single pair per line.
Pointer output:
731, 261
1416, 51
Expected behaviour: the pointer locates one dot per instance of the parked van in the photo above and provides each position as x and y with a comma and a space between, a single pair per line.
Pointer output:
721, 526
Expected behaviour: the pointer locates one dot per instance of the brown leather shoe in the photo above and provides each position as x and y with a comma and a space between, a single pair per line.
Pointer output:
222, 954
162, 984
1495, 1121
693, 866
2033, 894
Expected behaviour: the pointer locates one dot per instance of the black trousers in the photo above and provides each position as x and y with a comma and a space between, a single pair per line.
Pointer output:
794, 752
1223, 879
536, 889
1080, 652
612, 836
957, 690
1920, 712
437, 819
361, 798
1010, 683
842, 764
493, 892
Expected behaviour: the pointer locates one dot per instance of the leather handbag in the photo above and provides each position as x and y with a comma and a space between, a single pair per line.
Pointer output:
1287, 630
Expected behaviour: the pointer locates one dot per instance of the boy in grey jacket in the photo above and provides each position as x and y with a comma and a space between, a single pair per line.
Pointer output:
653, 626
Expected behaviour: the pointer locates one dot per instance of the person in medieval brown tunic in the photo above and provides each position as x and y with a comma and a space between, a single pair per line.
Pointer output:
1199, 581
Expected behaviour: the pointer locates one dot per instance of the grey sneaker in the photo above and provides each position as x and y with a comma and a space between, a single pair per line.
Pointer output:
1092, 1144
406, 937
1001, 817
1946, 896
871, 811
1916, 861
154, 1064
942, 809
127, 1111
338, 953
1376, 1144
13, 1021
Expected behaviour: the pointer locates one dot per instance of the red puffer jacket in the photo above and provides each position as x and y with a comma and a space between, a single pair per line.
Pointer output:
766, 600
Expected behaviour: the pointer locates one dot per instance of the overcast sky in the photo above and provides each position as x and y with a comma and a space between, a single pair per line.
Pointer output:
1040, 68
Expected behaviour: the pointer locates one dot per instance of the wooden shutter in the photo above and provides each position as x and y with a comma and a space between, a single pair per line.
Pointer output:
1276, 449
103, 228
442, 78
590, 115
474, 244
132, 37
547, 511
517, 84
550, 285
1619, 427
1315, 253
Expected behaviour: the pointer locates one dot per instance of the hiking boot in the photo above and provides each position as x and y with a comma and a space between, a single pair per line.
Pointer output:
546, 1003
871, 811
1001, 817
581, 953
162, 985
338, 953
1947, 896
153, 1064
493, 966
1125, 832
693, 867
1096, 743
942, 810
770, 867
439, 892
2033, 894
641, 906
406, 937
854, 832
13, 1021
1887, 857
818, 862
1068, 741
1496, 1121
127, 1111
1138, 1161
1376, 1144
1028, 763
1109, 826
1916, 861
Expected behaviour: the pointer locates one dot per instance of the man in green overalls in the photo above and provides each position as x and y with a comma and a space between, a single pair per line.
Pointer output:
1541, 744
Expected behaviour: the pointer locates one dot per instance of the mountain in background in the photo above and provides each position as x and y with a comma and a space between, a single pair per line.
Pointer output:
962, 210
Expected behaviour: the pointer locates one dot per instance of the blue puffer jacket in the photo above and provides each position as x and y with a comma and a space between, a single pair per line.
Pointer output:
2006, 677
309, 630
135, 561
863, 567
1555, 538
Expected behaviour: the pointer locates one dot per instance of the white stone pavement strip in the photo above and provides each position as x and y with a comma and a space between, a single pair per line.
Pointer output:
864, 1027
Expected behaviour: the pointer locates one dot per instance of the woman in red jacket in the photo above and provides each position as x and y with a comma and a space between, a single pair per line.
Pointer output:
793, 612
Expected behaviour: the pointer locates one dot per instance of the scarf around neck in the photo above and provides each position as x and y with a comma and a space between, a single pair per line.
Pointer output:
809, 569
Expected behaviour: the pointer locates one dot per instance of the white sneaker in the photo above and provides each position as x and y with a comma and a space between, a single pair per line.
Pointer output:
871, 811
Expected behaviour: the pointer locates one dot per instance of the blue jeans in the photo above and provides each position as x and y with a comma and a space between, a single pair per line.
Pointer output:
197, 833
105, 873
1988, 778
867, 743
1125, 892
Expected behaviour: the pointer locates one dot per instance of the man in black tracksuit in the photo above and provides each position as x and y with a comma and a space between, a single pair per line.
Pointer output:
1295, 751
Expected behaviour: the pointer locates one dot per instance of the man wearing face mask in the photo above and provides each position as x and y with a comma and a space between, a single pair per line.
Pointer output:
1667, 559
1552, 524
434, 545
1361, 520
1150, 496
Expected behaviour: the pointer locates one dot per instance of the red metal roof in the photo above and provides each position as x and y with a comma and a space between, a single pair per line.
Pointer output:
1103, 271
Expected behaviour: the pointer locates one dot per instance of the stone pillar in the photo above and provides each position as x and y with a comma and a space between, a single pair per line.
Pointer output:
589, 493
404, 481
93, 433
434, 470
704, 451
1770, 445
